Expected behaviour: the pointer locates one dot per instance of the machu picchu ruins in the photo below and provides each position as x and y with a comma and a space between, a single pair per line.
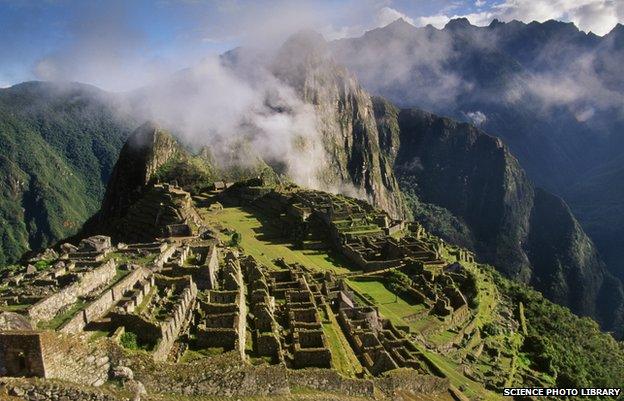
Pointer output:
350, 291
312, 200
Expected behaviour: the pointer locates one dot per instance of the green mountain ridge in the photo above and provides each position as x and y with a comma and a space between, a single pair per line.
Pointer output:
511, 73
59, 144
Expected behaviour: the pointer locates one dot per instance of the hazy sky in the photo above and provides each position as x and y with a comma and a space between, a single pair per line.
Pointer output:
120, 45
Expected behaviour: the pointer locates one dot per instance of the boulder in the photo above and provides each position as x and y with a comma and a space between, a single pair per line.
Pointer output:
97, 243
136, 388
123, 372
12, 321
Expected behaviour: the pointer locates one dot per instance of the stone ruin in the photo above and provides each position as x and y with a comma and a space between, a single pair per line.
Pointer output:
93, 287
263, 324
283, 298
163, 211
74, 278
221, 322
377, 343
318, 220
369, 239
185, 293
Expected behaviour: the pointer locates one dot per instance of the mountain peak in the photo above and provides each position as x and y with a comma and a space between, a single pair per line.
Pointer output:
617, 30
496, 22
400, 22
147, 149
304, 51
560, 27
306, 45
399, 26
306, 39
144, 134
458, 23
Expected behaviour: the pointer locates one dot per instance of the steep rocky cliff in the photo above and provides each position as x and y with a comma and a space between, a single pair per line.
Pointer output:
567, 267
358, 165
146, 150
525, 232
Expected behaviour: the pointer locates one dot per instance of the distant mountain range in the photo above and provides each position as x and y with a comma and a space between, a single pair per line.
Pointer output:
553, 93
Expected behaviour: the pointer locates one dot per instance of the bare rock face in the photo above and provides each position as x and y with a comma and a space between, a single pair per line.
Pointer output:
136, 388
97, 243
357, 164
123, 373
46, 254
68, 248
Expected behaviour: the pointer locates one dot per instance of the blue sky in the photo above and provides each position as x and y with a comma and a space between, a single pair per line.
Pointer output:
118, 45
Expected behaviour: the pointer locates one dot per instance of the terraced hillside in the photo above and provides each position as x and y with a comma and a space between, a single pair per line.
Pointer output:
259, 290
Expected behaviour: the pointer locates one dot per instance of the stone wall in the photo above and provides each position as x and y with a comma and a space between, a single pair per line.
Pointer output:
225, 375
49, 307
80, 320
147, 332
330, 380
409, 381
217, 337
42, 390
164, 257
367, 265
179, 319
211, 265
99, 307
73, 358
128, 282
53, 355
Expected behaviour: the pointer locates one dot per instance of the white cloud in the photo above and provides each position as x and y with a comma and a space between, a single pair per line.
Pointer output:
478, 118
387, 15
479, 3
331, 32
439, 20
215, 105
436, 20
598, 16
585, 114
479, 19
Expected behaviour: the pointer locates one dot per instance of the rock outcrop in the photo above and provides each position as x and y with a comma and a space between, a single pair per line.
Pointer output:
146, 150
358, 165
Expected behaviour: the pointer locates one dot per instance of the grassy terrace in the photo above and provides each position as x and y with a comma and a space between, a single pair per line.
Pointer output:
78, 306
343, 357
391, 306
62, 317
261, 241
397, 310
14, 308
